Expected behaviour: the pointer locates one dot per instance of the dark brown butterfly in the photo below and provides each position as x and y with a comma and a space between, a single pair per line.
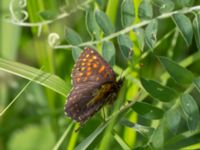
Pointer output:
94, 85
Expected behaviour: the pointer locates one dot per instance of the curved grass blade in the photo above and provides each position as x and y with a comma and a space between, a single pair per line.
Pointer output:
16, 97
56, 147
46, 79
121, 142
85, 143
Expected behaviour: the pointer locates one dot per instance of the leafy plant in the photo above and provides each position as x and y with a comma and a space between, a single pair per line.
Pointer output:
153, 44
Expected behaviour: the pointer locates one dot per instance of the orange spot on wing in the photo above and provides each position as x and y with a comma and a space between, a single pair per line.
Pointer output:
88, 74
89, 68
82, 69
101, 69
87, 55
94, 65
80, 74
97, 78
94, 57
83, 64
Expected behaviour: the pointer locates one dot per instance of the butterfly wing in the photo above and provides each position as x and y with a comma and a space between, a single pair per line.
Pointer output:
91, 67
93, 81
84, 101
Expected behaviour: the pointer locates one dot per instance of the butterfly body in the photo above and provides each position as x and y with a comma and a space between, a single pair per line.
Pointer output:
94, 85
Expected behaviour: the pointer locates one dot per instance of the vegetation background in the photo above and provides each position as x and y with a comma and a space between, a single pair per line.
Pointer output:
155, 43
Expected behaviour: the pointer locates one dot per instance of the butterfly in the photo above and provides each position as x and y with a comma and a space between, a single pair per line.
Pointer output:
94, 85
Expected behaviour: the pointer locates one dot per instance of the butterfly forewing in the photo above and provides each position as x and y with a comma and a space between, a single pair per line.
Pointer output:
91, 67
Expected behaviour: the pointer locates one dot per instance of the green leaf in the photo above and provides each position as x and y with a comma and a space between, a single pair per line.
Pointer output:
158, 138
166, 6
148, 111
46, 79
184, 3
48, 14
191, 110
185, 27
196, 25
104, 22
151, 33
127, 13
121, 142
87, 141
72, 37
143, 130
108, 52
140, 38
126, 45
145, 10
173, 119
177, 72
197, 83
158, 91
91, 24
76, 53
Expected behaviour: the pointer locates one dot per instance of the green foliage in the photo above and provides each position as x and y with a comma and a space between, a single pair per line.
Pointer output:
108, 52
145, 10
127, 13
151, 33
185, 26
104, 22
153, 44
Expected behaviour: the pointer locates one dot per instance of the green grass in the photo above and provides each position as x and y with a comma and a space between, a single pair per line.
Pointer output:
158, 105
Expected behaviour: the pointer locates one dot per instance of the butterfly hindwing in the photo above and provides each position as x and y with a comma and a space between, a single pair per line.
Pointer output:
84, 102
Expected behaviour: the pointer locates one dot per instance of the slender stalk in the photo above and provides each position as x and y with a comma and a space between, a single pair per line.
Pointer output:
128, 29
